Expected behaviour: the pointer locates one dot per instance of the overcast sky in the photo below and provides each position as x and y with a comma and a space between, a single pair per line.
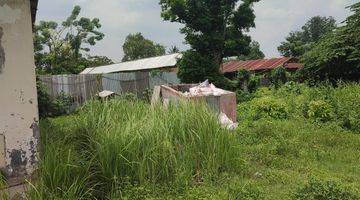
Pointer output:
274, 20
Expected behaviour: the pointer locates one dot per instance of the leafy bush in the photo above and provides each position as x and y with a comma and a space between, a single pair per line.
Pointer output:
254, 83
320, 111
325, 104
278, 76
291, 87
44, 102
247, 82
243, 78
320, 190
61, 104
268, 107
52, 107
242, 96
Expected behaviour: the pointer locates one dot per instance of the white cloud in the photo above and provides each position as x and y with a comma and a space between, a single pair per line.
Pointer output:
275, 19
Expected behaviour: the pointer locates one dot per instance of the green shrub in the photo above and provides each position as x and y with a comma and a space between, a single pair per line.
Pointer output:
44, 101
243, 78
61, 105
52, 107
320, 111
346, 100
278, 76
254, 83
328, 190
291, 87
268, 107
242, 96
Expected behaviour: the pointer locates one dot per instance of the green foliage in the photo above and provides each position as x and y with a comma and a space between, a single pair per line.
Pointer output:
52, 107
247, 82
213, 29
110, 143
278, 76
299, 42
245, 192
319, 190
336, 56
323, 104
243, 96
3, 184
320, 111
173, 49
255, 52
202, 68
254, 83
137, 47
268, 107
61, 48
243, 78
95, 61
122, 149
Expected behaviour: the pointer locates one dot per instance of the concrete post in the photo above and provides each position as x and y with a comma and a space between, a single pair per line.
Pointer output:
19, 131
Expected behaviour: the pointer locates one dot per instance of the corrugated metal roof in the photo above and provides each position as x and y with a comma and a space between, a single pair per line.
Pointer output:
136, 65
294, 65
256, 65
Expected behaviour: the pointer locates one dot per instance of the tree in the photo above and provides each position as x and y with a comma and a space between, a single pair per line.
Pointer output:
336, 56
60, 48
137, 47
214, 29
95, 61
173, 49
298, 42
255, 52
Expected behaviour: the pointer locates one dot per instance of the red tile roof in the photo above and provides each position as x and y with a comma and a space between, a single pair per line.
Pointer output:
257, 65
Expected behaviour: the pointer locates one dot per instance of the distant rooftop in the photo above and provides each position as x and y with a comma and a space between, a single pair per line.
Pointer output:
137, 65
260, 65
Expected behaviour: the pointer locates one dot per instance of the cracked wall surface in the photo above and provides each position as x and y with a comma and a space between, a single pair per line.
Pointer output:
18, 101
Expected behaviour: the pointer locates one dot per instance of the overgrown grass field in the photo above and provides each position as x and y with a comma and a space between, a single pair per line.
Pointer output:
294, 142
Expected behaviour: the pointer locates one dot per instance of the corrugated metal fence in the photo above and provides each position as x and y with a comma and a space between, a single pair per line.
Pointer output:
84, 87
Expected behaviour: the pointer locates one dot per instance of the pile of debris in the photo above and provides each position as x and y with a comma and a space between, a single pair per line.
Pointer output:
221, 101
204, 89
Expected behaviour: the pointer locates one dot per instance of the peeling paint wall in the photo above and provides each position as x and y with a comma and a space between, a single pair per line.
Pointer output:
18, 101
2, 52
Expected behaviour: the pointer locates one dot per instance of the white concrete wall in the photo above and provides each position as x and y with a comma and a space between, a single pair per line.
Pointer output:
18, 101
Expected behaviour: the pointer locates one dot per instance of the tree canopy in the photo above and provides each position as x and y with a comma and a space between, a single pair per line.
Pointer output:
336, 56
214, 29
63, 48
255, 52
298, 42
173, 49
137, 47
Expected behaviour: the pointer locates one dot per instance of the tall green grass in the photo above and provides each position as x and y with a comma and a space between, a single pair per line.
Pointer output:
131, 150
93, 153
